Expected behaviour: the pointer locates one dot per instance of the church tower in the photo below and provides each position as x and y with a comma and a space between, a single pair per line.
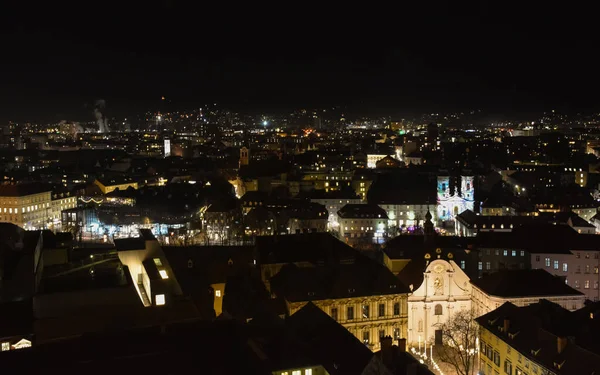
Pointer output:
244, 156
429, 231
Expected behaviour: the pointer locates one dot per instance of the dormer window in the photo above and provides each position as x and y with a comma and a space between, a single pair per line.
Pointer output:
393, 286
190, 263
351, 290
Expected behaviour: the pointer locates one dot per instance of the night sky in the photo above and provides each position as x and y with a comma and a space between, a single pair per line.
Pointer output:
504, 58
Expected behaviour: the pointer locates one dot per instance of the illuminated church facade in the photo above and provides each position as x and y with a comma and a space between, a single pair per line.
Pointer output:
449, 205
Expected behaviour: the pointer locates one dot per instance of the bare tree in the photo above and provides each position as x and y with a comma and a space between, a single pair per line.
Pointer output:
459, 342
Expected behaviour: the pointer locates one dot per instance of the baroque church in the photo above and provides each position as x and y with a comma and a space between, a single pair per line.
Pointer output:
435, 268
454, 198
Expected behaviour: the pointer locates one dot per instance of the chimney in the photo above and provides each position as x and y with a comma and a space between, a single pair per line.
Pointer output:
402, 345
506, 325
386, 343
561, 342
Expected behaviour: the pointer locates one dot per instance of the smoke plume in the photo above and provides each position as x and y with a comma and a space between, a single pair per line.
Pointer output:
100, 118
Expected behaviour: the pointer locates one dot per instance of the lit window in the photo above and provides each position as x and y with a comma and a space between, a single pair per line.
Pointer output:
296, 372
308, 371
157, 262
565, 267
5, 346
163, 274
218, 293
160, 299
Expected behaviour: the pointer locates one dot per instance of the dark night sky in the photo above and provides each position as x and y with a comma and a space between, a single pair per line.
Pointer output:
506, 58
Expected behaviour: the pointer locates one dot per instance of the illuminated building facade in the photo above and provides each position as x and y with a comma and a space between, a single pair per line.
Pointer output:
444, 289
28, 206
150, 271
449, 205
363, 223
111, 184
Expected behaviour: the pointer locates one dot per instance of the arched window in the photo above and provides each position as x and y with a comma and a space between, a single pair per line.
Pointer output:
438, 309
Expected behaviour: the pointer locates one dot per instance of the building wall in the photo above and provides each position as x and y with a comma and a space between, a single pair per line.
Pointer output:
301, 225
372, 160
407, 215
108, 189
219, 294
357, 229
445, 286
579, 269
490, 343
495, 259
585, 212
333, 206
29, 211
57, 206
374, 325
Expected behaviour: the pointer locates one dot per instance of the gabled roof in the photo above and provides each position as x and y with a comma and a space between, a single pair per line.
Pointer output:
339, 351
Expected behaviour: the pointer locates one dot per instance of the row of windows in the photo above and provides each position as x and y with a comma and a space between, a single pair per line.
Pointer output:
506, 252
365, 309
308, 371
565, 266
500, 265
10, 210
586, 284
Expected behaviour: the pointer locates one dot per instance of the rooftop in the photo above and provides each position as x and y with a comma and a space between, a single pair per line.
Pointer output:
524, 283
21, 190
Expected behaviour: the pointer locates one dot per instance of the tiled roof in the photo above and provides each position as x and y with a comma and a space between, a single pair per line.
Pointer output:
534, 332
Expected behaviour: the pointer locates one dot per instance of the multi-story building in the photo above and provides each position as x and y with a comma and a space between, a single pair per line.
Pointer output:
25, 205
362, 222
578, 264
360, 294
406, 215
310, 218
522, 288
334, 201
348, 293
60, 201
109, 184
541, 338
